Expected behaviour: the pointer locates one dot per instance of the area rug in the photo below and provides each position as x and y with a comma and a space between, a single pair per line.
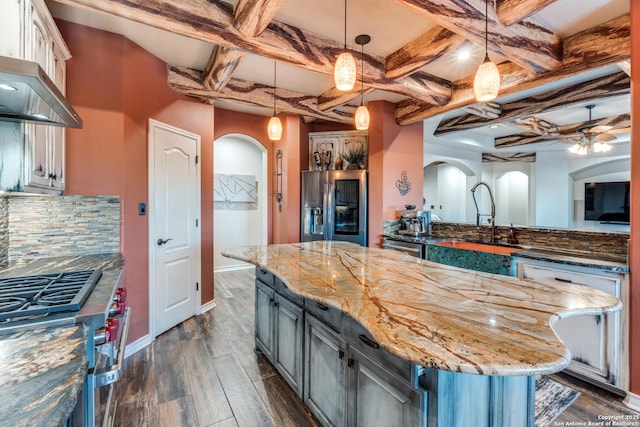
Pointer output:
552, 398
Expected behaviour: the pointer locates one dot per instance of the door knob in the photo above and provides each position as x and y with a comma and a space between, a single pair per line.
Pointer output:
161, 242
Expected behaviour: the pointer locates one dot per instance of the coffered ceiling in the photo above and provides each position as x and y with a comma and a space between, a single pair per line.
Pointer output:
422, 57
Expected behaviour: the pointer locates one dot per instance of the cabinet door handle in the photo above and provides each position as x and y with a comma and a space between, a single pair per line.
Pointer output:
340, 354
349, 362
560, 279
368, 341
322, 306
262, 271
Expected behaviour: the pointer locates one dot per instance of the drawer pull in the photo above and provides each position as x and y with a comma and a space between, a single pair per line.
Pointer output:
262, 271
369, 341
322, 306
340, 354
560, 279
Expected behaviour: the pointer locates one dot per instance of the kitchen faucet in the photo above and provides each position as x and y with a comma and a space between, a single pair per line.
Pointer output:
494, 237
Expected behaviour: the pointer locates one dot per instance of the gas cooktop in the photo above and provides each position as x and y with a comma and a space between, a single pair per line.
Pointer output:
33, 298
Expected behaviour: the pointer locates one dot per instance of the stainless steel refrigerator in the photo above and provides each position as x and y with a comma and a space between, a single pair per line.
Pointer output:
334, 206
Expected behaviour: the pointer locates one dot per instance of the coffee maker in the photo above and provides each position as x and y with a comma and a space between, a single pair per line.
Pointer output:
415, 223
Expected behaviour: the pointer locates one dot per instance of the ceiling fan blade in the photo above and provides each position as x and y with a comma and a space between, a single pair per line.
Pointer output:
620, 130
604, 137
567, 136
600, 129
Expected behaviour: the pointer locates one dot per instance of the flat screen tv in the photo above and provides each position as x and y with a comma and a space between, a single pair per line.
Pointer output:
607, 202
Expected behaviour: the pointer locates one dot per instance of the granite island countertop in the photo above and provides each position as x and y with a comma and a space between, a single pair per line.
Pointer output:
42, 370
431, 314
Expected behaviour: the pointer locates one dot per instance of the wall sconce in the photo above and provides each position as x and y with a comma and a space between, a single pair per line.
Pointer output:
278, 183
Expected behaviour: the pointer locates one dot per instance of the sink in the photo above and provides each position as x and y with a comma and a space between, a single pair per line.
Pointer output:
480, 247
496, 259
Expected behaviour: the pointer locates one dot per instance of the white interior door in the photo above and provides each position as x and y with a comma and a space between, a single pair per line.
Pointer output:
174, 246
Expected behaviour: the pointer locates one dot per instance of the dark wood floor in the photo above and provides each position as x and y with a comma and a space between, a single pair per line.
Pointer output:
204, 372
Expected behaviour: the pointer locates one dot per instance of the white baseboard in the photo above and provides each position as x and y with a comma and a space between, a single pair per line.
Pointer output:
137, 345
234, 268
207, 306
632, 401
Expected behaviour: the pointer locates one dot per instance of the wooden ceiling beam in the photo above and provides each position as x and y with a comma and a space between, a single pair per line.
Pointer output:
426, 48
212, 22
578, 94
625, 66
251, 17
488, 110
602, 45
511, 11
620, 121
525, 43
189, 82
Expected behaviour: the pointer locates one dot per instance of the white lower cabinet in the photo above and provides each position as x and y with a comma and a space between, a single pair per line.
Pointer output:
595, 341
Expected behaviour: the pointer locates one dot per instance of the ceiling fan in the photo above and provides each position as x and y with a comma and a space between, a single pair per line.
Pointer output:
592, 132
592, 137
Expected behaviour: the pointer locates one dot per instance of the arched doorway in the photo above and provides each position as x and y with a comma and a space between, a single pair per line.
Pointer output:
240, 197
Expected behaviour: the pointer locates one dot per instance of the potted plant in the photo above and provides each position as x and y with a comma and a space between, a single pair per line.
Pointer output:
356, 158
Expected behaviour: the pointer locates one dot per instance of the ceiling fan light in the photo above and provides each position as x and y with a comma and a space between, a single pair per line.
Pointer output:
574, 148
604, 147
344, 73
274, 129
362, 118
486, 83
597, 147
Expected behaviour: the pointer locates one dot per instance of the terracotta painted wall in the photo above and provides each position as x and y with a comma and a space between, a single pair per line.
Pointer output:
393, 149
116, 86
634, 258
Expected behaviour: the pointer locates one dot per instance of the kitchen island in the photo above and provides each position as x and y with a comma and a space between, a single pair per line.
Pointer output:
443, 322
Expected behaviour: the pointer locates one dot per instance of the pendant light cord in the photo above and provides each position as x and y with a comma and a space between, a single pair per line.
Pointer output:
345, 24
362, 75
274, 88
486, 29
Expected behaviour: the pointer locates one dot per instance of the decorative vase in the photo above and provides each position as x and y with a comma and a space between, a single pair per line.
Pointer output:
352, 166
338, 162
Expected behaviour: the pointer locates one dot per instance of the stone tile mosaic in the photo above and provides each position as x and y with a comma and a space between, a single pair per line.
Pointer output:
46, 226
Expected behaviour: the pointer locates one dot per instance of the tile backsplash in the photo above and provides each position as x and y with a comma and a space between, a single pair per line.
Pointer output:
44, 226
599, 242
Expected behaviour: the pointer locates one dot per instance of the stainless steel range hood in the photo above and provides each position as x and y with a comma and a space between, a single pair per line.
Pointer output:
27, 94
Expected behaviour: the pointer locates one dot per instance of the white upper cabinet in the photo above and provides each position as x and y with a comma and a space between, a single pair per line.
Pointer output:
12, 22
28, 31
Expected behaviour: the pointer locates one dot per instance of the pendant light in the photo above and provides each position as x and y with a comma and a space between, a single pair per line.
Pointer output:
344, 72
274, 128
362, 113
486, 83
